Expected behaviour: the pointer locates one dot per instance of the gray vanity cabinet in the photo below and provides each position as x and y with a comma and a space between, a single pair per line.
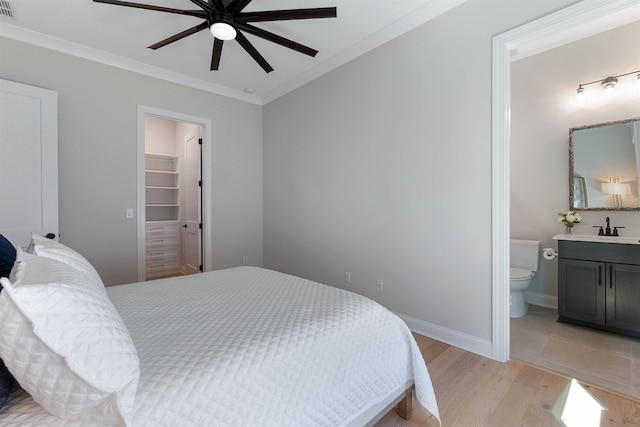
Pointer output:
623, 298
599, 285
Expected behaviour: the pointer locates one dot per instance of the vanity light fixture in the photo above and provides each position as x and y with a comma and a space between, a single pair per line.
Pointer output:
608, 84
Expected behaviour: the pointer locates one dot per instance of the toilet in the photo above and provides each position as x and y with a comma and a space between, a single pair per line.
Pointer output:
524, 264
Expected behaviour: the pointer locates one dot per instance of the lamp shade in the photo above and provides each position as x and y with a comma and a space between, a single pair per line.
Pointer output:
616, 188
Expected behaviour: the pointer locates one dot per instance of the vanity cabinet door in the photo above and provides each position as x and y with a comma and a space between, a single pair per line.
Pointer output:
581, 291
623, 297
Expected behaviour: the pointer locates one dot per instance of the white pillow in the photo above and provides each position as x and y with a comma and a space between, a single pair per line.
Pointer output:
68, 347
18, 270
49, 248
34, 269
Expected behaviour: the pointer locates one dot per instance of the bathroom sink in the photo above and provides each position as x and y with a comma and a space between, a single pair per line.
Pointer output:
627, 240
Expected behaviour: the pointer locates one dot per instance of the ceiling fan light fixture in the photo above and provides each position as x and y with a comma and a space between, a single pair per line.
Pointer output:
223, 26
223, 31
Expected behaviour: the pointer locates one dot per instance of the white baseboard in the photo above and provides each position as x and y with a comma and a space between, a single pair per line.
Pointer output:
449, 336
542, 300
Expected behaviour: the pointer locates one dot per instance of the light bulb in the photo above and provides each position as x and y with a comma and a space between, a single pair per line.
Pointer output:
580, 95
609, 85
223, 31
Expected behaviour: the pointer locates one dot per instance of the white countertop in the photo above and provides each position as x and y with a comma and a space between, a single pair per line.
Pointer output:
627, 240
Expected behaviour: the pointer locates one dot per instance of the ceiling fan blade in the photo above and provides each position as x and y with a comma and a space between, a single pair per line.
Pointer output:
253, 52
237, 5
281, 15
179, 36
198, 13
218, 5
259, 32
216, 53
204, 5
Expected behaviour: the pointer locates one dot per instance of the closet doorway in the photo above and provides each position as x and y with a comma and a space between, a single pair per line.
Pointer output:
174, 217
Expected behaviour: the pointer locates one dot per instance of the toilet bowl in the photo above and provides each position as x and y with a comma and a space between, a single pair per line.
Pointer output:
524, 256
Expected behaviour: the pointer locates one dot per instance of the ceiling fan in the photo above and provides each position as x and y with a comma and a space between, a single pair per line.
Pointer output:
226, 21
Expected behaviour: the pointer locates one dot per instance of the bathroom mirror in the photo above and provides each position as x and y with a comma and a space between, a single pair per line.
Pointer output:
604, 164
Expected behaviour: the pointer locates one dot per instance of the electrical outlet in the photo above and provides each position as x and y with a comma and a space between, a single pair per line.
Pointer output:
379, 285
347, 277
245, 260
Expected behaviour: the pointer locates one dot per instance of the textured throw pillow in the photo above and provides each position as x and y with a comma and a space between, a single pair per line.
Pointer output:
67, 346
7, 256
48, 248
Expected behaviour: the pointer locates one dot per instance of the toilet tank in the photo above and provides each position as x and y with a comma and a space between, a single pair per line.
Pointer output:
524, 253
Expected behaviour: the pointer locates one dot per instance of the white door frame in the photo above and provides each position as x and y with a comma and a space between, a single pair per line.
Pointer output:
207, 160
20, 233
575, 22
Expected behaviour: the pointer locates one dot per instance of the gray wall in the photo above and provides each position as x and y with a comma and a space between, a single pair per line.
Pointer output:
543, 109
97, 107
383, 168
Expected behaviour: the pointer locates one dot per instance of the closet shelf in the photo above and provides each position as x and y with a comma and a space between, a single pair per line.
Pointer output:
161, 187
161, 171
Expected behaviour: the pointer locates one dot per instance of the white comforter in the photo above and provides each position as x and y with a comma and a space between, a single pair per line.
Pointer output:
252, 347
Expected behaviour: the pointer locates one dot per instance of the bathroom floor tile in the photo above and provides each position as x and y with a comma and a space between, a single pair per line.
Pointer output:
594, 339
598, 363
527, 343
602, 358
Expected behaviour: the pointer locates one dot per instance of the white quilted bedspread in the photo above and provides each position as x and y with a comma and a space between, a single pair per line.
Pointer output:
297, 353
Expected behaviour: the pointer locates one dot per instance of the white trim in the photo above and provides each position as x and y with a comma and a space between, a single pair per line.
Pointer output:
448, 336
75, 49
541, 300
207, 163
500, 200
48, 100
598, 15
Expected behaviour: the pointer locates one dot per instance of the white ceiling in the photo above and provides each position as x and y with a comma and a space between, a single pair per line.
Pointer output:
119, 36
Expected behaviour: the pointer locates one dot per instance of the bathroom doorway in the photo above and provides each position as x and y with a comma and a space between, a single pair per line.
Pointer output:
569, 24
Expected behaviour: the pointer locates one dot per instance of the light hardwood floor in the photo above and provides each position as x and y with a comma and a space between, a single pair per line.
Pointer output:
475, 391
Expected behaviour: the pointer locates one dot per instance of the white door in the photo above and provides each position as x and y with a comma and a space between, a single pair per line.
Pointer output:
28, 162
192, 233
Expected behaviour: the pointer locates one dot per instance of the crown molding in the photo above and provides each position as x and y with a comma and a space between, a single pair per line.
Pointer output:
85, 52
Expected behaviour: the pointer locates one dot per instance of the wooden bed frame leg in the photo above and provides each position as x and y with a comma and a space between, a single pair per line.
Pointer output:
405, 406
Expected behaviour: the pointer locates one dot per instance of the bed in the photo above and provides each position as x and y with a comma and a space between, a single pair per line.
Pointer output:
242, 346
